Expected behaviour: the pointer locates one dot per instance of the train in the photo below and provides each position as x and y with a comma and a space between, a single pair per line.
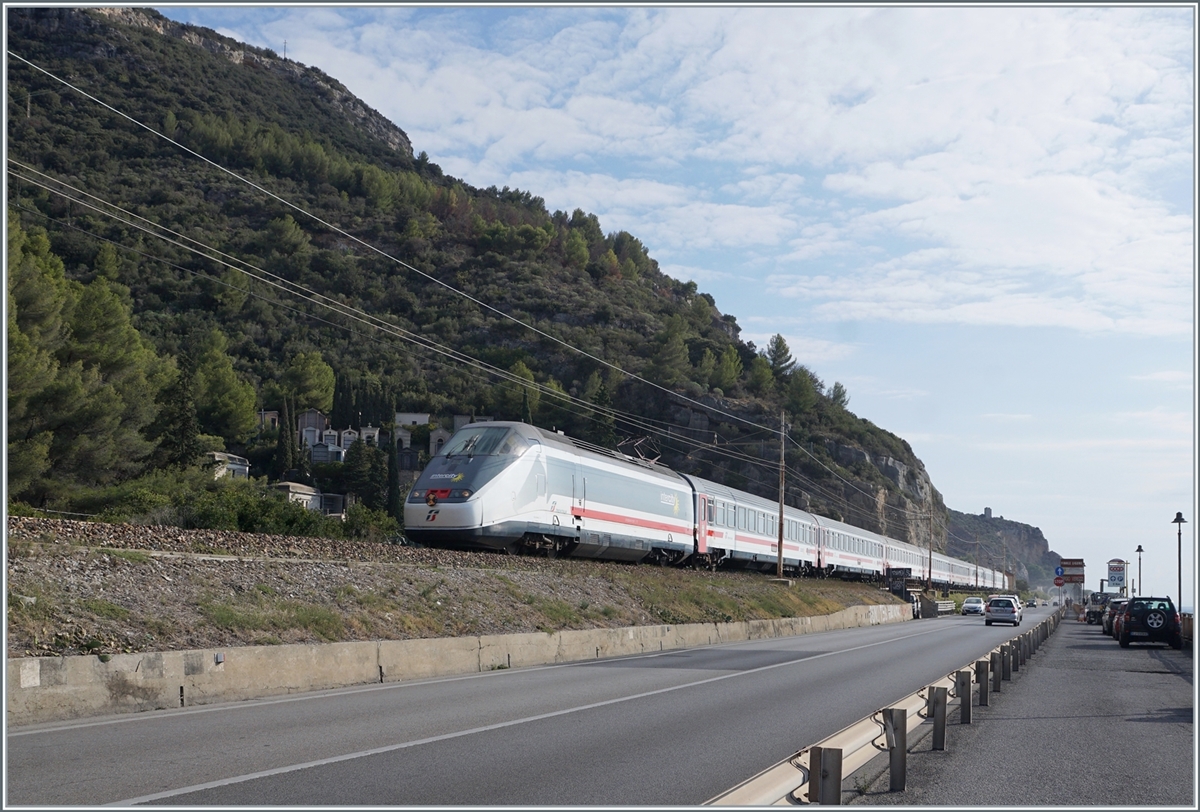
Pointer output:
516, 488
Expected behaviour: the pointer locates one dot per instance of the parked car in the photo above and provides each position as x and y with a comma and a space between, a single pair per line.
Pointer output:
1150, 620
1108, 620
973, 606
1002, 609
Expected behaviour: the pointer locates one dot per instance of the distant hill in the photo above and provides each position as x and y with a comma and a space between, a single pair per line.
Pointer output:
995, 540
450, 269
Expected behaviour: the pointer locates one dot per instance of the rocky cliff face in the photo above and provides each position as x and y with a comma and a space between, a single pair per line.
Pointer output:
329, 89
858, 493
996, 539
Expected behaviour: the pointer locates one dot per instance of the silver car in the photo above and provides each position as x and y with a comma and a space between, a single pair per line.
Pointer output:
1002, 610
972, 606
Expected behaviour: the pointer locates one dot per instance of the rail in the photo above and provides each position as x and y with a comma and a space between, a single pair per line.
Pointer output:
814, 774
1185, 627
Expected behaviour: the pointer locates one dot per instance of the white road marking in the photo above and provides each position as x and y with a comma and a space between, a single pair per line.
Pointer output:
238, 779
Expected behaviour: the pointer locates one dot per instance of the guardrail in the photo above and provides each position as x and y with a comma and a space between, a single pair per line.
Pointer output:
814, 774
1185, 627
946, 607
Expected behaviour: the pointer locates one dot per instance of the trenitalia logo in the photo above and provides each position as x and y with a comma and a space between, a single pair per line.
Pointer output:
429, 517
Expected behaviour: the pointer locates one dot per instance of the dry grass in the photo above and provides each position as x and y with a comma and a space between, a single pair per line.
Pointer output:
66, 598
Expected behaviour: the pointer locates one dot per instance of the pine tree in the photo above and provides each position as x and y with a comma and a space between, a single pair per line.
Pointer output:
728, 370
780, 357
179, 425
604, 433
761, 380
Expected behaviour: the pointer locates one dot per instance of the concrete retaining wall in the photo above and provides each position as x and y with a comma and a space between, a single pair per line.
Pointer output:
48, 689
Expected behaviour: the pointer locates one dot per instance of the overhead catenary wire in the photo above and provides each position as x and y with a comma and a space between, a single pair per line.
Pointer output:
585, 409
357, 314
94, 203
361, 316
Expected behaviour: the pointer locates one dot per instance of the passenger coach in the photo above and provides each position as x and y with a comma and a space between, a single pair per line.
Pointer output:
515, 487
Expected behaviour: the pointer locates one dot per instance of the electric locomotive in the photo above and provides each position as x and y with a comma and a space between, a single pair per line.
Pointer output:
512, 486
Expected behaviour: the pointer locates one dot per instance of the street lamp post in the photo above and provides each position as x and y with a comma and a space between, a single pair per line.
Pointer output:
1179, 522
1139, 583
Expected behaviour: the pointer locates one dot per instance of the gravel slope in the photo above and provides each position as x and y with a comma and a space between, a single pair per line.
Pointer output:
80, 587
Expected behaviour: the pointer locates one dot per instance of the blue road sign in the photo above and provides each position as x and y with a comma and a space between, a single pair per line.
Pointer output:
1058, 570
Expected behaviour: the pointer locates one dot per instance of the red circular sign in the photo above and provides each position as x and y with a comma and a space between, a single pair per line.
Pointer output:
1059, 581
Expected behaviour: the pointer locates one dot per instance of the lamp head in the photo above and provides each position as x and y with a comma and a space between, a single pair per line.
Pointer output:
1139, 550
1179, 518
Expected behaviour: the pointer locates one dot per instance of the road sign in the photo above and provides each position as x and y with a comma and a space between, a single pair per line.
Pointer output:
1116, 573
1059, 581
1071, 562
1059, 570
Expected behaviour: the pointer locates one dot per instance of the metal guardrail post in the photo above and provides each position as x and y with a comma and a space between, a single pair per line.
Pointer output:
1006, 660
997, 656
825, 775
895, 723
939, 696
1015, 647
981, 677
962, 687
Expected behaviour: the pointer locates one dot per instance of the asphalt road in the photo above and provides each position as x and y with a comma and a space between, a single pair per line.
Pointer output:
669, 728
1084, 723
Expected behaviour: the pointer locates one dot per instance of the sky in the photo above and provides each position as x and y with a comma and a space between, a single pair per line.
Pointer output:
979, 220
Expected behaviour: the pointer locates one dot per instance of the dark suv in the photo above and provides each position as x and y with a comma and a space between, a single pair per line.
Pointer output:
1150, 620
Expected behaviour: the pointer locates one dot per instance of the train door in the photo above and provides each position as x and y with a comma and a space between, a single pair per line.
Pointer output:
702, 505
578, 498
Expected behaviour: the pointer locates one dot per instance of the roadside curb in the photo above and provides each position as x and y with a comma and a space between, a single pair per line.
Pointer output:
53, 689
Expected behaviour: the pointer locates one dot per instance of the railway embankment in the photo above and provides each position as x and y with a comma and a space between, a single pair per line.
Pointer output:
142, 613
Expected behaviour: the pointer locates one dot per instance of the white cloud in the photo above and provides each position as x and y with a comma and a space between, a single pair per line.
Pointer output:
805, 350
1166, 376
1180, 425
695, 274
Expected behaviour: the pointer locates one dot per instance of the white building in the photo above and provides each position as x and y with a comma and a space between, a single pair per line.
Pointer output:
230, 465
410, 419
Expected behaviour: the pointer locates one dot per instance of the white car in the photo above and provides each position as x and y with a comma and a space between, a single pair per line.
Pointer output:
1002, 609
973, 606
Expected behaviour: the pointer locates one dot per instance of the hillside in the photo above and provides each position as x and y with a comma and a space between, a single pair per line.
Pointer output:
384, 286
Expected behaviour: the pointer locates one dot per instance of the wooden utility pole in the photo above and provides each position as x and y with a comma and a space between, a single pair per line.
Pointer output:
779, 564
929, 572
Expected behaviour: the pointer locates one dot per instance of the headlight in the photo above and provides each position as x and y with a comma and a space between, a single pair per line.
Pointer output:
463, 494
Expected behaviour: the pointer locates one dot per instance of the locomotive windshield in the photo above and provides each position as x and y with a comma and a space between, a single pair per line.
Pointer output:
485, 441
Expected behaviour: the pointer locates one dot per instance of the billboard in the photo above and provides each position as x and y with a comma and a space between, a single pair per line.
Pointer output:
1072, 570
1116, 574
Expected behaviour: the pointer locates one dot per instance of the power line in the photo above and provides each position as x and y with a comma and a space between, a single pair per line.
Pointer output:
582, 409
376, 323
